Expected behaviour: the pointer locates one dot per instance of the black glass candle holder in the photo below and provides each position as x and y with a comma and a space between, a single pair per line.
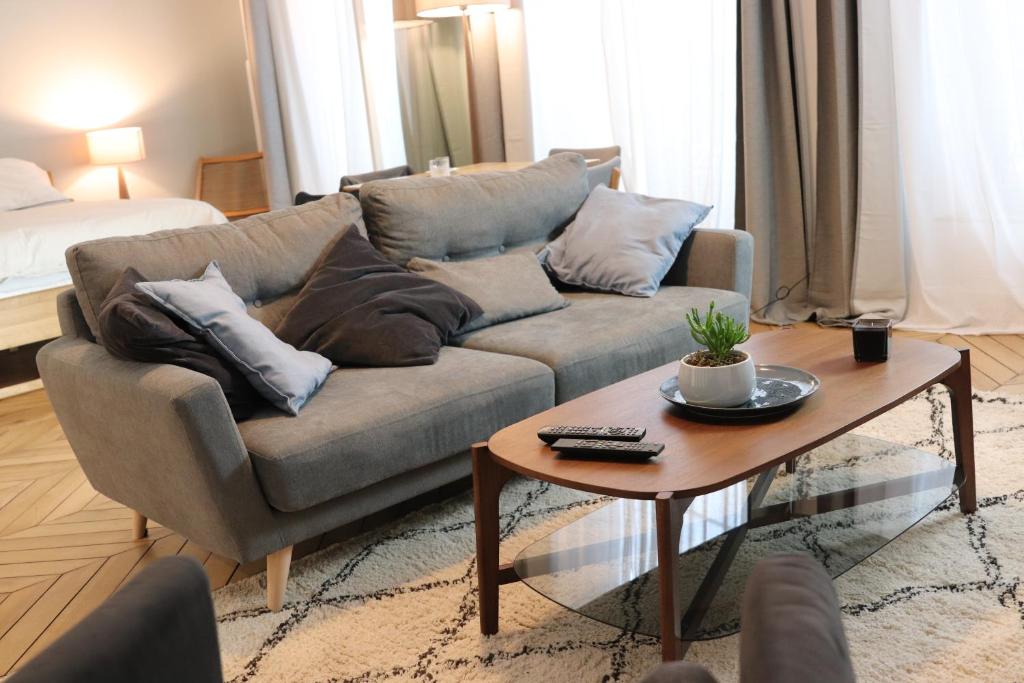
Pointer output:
871, 340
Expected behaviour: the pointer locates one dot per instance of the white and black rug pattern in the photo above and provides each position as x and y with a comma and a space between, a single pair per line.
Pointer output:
942, 602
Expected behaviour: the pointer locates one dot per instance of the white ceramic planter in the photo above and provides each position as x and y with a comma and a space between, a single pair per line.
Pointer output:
722, 387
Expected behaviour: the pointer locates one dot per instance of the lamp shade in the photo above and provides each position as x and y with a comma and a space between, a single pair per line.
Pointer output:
456, 8
115, 146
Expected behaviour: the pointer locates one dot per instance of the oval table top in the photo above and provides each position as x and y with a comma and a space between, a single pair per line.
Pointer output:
699, 457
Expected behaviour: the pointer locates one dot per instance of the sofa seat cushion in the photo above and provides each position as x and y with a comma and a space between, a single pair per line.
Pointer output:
603, 338
368, 424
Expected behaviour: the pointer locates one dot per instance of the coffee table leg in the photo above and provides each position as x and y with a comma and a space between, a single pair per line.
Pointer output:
959, 384
488, 479
669, 516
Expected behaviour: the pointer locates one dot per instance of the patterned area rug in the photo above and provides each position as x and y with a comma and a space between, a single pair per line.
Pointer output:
944, 601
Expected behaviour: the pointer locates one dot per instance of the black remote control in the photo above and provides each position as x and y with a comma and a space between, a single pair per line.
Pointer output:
607, 450
553, 433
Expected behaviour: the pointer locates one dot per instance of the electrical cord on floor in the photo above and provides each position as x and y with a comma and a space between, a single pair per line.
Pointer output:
781, 294
785, 290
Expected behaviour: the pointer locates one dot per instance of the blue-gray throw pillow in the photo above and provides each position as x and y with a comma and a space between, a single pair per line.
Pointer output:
622, 242
284, 375
506, 287
132, 327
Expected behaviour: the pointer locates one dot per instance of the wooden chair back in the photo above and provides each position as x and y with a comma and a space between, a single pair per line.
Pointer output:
598, 158
235, 184
385, 174
601, 154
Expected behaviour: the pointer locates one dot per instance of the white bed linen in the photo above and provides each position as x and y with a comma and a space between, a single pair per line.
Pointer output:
16, 286
33, 241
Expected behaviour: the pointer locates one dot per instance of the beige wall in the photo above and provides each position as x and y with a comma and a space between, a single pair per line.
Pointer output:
174, 67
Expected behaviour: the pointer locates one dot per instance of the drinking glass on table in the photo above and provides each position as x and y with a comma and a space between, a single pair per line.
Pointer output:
440, 167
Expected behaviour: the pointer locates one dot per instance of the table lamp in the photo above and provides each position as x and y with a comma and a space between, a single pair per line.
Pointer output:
116, 146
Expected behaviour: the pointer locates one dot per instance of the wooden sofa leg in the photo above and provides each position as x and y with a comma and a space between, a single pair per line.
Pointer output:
277, 577
138, 525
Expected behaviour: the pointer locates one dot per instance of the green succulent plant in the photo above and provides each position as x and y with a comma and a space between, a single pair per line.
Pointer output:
717, 332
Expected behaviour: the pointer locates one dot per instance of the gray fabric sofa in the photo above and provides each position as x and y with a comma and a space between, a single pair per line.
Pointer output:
160, 439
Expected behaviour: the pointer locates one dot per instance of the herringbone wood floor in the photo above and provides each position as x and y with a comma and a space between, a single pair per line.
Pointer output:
64, 548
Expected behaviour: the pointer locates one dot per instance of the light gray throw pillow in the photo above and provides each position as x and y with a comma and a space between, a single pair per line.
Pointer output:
506, 287
622, 242
282, 374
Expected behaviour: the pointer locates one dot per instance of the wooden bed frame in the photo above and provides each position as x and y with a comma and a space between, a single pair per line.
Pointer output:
28, 318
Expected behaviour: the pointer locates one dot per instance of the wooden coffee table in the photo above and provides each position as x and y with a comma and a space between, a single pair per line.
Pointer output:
701, 458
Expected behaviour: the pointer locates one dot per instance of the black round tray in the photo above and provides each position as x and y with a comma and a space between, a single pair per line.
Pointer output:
780, 389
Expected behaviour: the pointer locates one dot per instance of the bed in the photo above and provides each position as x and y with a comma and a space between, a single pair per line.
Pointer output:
33, 240
32, 244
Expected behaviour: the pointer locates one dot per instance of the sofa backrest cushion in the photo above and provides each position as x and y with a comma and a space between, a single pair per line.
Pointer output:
471, 216
263, 257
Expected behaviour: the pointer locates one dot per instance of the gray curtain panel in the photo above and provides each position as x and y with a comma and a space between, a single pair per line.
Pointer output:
447, 57
487, 125
797, 114
266, 104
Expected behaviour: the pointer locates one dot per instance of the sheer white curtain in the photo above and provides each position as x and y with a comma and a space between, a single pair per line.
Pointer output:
657, 77
958, 112
325, 90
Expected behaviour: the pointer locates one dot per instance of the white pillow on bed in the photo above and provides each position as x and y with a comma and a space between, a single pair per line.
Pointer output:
23, 184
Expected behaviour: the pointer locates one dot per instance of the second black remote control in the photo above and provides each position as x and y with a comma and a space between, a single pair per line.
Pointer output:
553, 433
609, 450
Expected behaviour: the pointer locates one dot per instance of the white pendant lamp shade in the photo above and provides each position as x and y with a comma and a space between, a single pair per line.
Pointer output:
456, 8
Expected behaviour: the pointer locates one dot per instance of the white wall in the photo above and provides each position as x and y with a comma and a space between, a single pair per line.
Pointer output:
174, 67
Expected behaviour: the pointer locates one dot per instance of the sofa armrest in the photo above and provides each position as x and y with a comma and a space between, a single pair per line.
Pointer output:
159, 439
158, 628
792, 626
719, 259
69, 315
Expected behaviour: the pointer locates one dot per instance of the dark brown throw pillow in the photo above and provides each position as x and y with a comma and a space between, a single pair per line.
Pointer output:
358, 308
134, 329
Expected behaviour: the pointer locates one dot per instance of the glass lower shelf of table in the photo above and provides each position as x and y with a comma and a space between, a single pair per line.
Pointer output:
846, 500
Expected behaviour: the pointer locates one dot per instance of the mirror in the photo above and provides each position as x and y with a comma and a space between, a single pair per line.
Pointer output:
433, 88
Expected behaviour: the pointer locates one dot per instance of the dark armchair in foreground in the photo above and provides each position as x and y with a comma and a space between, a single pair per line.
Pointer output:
158, 628
792, 630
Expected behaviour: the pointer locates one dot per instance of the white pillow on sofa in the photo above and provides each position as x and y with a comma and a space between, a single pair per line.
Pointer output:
209, 307
23, 184
622, 242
